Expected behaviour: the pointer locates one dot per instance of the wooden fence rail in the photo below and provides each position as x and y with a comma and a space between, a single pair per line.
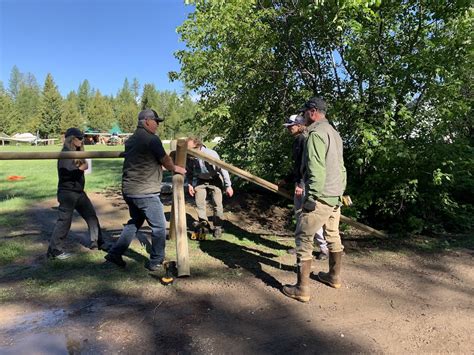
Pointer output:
234, 170
272, 187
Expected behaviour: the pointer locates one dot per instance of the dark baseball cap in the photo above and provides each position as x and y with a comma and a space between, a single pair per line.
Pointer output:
316, 103
76, 132
150, 114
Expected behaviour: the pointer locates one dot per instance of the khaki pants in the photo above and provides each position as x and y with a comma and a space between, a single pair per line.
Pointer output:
310, 222
200, 196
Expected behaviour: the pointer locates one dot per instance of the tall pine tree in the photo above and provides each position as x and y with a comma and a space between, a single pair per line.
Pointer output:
84, 96
51, 107
27, 102
149, 99
16, 79
71, 116
100, 115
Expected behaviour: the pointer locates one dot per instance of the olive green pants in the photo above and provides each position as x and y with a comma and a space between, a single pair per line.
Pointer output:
310, 222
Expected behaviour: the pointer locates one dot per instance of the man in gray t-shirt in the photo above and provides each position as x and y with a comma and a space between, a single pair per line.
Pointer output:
141, 183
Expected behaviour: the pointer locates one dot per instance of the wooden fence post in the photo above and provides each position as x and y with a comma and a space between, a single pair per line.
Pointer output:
172, 233
179, 209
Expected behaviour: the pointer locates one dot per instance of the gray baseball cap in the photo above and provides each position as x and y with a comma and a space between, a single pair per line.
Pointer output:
150, 114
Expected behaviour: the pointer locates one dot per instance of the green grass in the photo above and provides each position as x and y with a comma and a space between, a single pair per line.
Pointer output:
11, 250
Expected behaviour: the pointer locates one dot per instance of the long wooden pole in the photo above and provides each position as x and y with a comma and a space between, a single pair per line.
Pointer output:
272, 187
239, 172
179, 209
59, 155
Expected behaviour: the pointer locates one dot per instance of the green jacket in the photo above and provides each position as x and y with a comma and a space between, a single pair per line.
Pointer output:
325, 175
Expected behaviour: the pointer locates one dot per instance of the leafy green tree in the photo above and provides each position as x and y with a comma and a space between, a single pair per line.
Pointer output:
397, 75
50, 109
100, 115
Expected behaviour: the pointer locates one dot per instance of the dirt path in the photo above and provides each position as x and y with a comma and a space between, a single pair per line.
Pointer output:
390, 303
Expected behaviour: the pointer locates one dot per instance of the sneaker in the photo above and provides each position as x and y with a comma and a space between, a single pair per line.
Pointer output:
57, 254
115, 259
153, 266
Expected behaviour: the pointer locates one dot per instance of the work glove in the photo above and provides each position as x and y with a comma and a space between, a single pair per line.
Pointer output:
309, 206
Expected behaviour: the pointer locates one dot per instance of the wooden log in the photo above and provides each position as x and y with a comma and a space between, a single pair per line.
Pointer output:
179, 207
272, 187
59, 155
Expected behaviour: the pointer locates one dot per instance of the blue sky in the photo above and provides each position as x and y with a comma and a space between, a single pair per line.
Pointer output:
103, 41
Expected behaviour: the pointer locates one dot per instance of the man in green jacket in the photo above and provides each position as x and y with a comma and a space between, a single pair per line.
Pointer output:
324, 176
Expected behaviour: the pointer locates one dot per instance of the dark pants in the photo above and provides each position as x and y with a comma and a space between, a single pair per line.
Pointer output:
68, 202
141, 209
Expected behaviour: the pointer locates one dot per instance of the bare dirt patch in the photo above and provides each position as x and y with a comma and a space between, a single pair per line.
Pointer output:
391, 302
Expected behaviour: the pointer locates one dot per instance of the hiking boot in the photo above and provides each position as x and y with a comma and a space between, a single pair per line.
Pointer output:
217, 232
57, 254
115, 259
153, 266
333, 277
300, 291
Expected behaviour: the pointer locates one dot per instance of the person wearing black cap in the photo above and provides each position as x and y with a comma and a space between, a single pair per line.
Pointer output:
71, 196
141, 185
295, 125
325, 181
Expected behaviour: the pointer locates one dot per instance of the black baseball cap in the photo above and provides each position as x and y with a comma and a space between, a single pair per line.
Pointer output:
150, 114
76, 132
316, 103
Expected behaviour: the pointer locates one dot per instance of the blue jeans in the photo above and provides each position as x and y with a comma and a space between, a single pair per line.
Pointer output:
141, 209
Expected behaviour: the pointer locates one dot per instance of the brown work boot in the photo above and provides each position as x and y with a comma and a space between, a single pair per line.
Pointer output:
300, 291
333, 277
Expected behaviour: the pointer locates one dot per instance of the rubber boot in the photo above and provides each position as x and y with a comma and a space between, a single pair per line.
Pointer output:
333, 277
300, 291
